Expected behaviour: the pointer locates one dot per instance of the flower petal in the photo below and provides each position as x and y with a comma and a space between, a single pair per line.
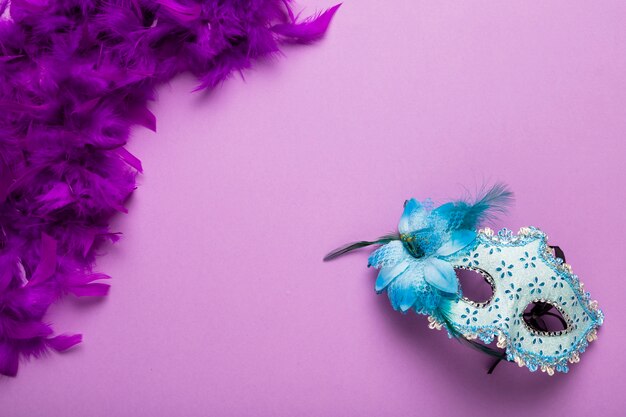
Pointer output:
390, 254
412, 210
389, 273
408, 300
403, 291
440, 274
458, 240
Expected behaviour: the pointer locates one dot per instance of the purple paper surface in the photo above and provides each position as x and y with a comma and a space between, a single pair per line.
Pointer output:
220, 304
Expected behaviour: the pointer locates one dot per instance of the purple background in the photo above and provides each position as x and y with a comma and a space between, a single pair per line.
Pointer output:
220, 303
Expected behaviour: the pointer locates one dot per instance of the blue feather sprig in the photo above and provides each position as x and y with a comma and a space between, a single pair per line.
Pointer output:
487, 205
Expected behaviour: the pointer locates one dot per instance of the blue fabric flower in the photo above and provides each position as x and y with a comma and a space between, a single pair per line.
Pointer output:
414, 270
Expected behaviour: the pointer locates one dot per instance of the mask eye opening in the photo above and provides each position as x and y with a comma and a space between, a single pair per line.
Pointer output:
477, 292
543, 318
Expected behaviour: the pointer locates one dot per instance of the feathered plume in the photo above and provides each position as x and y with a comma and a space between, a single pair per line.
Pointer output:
308, 30
489, 203
357, 245
75, 76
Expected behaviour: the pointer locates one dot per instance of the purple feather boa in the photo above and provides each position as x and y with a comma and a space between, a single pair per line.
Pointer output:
75, 76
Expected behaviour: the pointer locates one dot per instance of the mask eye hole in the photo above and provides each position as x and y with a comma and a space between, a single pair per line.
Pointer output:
542, 317
477, 286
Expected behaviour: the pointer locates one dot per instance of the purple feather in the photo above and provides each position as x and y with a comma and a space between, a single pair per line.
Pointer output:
310, 29
75, 76
47, 260
63, 342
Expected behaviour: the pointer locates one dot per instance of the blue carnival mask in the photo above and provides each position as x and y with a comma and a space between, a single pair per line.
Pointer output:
530, 283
